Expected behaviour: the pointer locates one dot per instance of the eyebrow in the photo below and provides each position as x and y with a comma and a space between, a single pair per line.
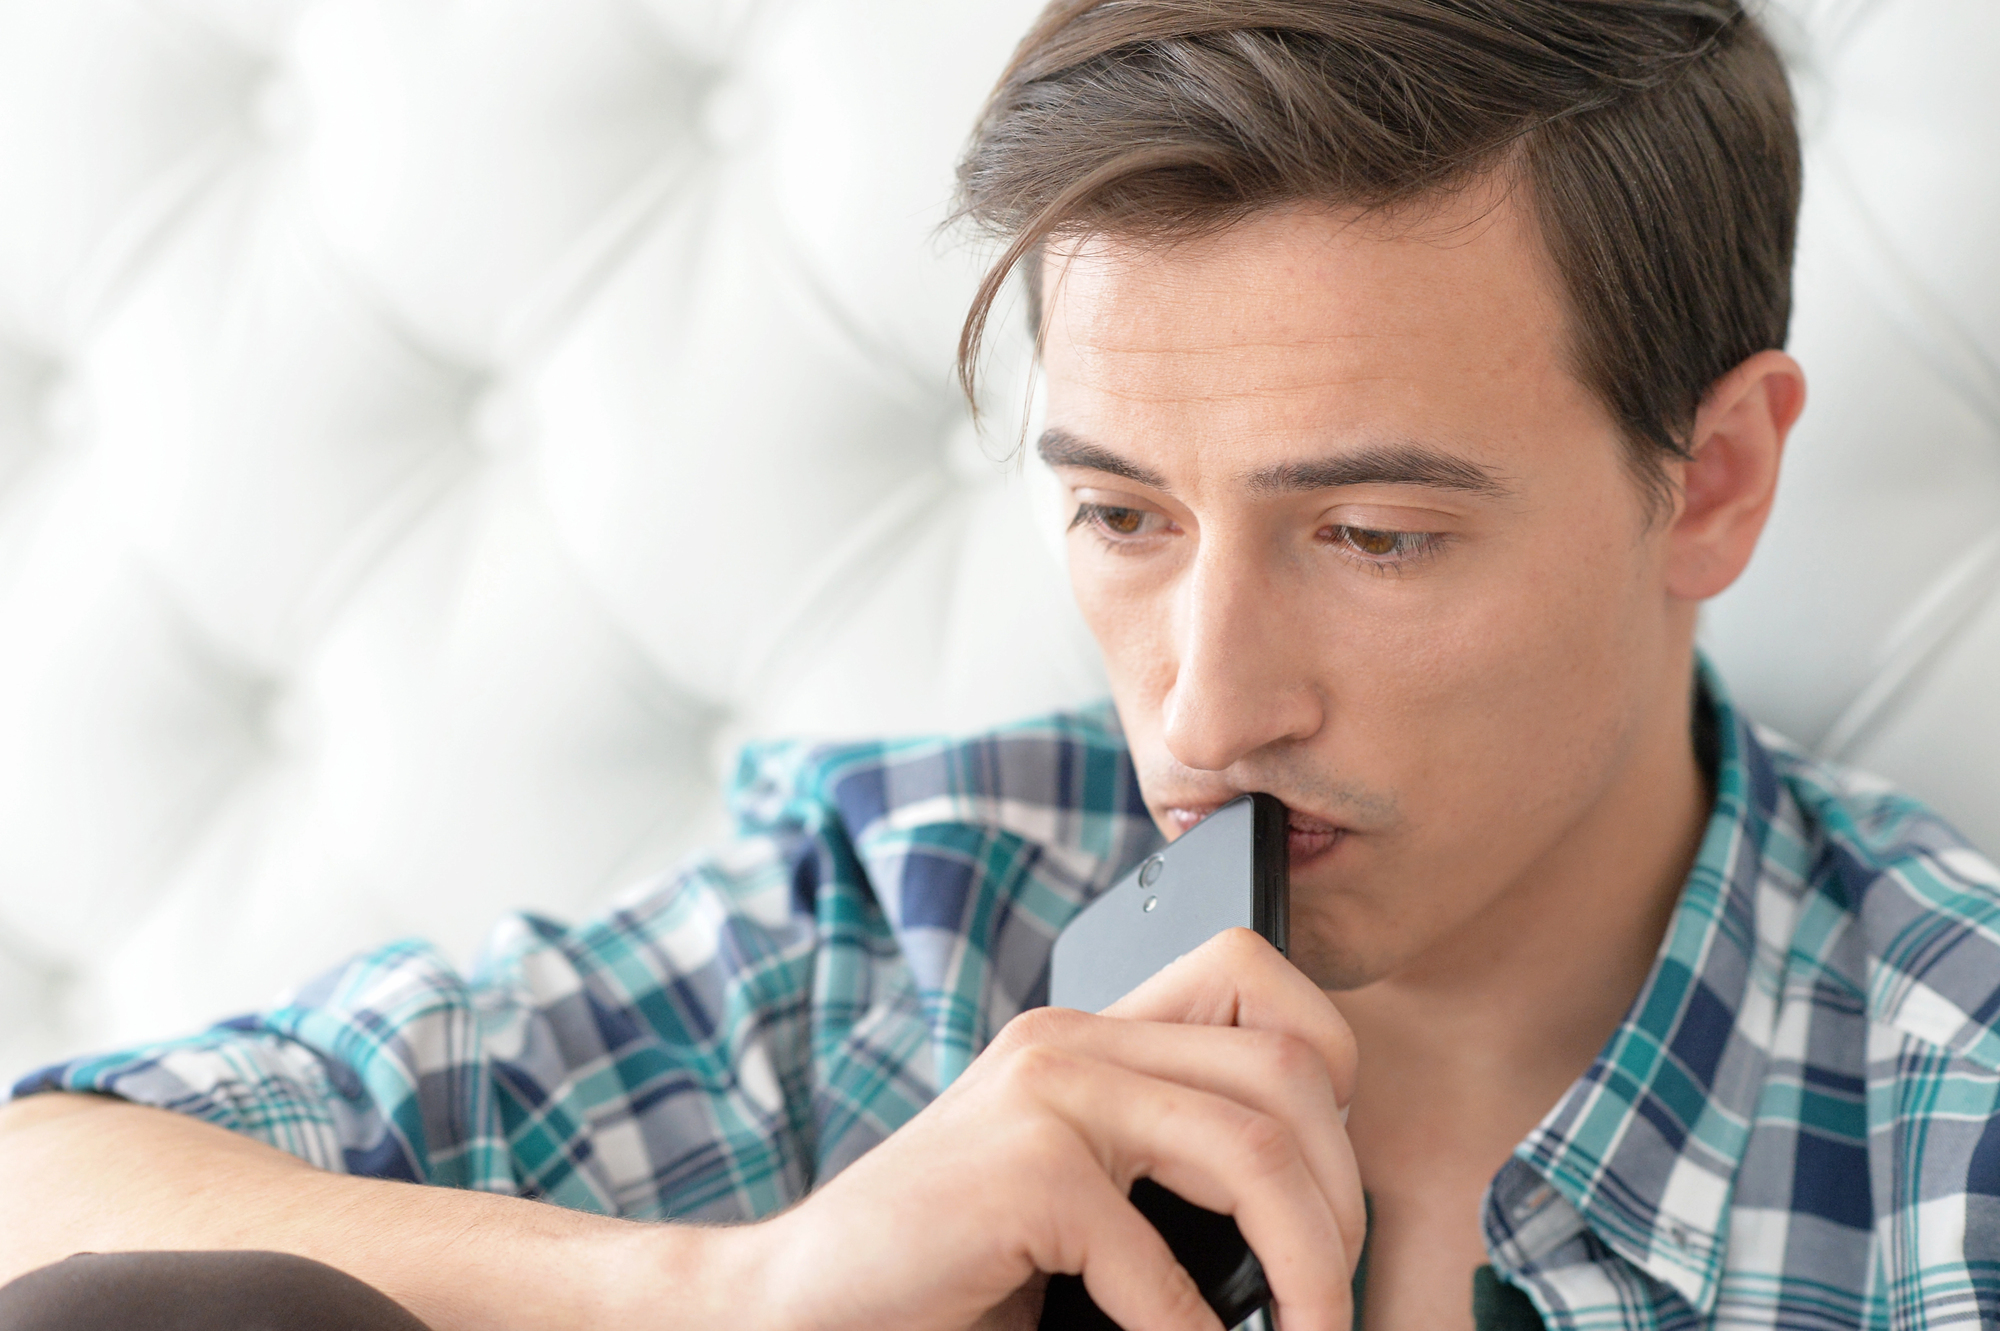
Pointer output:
1381, 464
1060, 448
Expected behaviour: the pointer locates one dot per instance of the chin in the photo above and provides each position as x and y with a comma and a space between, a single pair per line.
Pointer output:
1340, 936
1336, 965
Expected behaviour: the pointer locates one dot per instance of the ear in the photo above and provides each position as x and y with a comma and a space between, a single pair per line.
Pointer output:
1727, 484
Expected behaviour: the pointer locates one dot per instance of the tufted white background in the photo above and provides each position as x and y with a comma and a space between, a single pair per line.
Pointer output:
434, 432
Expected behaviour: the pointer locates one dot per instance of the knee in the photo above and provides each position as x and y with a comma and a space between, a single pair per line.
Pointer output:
197, 1291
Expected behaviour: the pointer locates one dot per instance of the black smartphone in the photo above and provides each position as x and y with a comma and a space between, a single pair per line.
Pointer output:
1230, 869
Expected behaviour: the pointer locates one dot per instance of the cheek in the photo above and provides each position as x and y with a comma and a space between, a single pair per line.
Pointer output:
1129, 616
1517, 693
1579, 610
1514, 643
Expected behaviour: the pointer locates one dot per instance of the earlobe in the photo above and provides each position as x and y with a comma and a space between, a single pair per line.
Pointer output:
1729, 482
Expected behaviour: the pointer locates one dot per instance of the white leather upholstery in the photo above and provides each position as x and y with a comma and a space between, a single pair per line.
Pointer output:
1869, 623
434, 432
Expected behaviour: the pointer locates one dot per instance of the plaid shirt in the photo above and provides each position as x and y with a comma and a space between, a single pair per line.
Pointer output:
1795, 1126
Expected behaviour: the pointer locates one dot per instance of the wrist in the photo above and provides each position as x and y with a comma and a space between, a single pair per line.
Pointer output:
664, 1277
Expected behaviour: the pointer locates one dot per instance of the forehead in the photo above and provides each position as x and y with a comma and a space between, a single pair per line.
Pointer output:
1315, 326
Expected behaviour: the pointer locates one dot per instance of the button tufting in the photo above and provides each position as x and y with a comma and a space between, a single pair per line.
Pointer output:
497, 420
502, 167
278, 110
730, 113
65, 409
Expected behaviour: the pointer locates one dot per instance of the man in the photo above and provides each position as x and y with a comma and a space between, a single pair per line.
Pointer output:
1414, 373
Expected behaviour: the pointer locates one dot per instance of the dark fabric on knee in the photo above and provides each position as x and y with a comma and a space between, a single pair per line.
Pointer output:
197, 1291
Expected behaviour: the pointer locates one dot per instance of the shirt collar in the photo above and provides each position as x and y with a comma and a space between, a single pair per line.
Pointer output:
1645, 1147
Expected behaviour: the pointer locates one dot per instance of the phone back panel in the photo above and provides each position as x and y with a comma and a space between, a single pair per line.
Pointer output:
1217, 875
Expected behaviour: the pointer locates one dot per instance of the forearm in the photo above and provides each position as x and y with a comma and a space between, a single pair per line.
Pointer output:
87, 1174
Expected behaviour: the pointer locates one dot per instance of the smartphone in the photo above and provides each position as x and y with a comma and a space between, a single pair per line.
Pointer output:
1231, 869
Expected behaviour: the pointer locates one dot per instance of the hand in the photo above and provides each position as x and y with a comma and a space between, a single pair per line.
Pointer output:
1222, 1078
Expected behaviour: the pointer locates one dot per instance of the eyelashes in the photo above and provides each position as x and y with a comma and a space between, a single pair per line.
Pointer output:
1123, 530
1116, 524
1384, 549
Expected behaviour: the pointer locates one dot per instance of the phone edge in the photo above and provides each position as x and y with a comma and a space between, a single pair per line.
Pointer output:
1270, 870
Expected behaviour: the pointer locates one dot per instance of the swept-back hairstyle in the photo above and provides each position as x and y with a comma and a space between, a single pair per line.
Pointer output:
1654, 139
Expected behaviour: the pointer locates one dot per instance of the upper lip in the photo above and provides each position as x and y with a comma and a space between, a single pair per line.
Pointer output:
1300, 820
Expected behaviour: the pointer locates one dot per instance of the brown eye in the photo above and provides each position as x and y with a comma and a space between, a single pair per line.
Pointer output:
1381, 544
1117, 524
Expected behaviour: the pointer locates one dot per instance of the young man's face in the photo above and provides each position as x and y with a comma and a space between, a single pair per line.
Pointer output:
1349, 530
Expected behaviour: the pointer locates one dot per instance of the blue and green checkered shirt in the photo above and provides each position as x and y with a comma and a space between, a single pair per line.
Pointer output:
1798, 1124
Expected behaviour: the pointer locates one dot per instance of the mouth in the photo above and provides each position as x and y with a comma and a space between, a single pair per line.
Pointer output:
1306, 838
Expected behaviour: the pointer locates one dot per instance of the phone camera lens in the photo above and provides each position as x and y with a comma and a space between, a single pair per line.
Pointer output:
1149, 872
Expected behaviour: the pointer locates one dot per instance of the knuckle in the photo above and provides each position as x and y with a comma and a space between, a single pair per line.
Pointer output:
1033, 1068
1266, 1146
1293, 1060
1180, 1298
1044, 1151
1037, 1026
1036, 1160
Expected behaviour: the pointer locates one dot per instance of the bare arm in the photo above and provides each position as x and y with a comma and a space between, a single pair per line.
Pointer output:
1222, 1078
84, 1173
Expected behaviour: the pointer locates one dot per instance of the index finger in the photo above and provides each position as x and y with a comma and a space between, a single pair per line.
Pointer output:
1238, 979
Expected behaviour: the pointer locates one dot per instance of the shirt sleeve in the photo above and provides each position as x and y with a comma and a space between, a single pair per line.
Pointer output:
653, 1062
719, 1041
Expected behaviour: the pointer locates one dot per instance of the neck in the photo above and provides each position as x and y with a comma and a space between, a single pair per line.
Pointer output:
1480, 1036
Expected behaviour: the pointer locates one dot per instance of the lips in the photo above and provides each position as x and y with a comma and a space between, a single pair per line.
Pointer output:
1307, 838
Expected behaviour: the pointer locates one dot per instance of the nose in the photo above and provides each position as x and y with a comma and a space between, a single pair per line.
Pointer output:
1242, 675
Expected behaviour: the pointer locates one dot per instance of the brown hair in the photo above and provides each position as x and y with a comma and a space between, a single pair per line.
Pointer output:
1655, 137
